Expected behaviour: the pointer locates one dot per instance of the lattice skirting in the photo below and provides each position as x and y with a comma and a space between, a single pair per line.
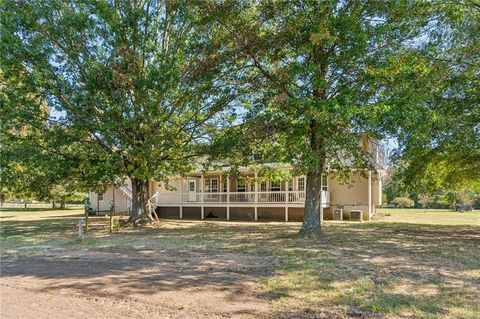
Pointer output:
295, 214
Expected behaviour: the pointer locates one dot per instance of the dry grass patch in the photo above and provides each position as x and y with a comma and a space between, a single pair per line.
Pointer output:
372, 270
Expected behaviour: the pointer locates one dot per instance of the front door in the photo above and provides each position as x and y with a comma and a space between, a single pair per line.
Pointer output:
192, 190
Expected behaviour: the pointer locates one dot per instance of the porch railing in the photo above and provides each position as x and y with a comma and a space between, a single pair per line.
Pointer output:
237, 197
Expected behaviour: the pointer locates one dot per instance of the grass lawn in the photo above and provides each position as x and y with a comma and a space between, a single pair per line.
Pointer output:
408, 264
430, 216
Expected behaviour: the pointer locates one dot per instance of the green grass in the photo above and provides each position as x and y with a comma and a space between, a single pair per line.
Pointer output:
412, 263
431, 216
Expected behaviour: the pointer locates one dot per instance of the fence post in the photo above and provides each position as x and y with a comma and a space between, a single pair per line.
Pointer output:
228, 197
112, 212
256, 195
80, 227
87, 209
286, 201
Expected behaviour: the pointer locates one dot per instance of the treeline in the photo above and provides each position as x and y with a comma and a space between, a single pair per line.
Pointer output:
429, 191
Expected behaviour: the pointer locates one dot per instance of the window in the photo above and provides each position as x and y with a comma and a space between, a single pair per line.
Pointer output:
290, 185
224, 185
214, 185
275, 186
263, 186
100, 197
301, 184
191, 186
324, 183
241, 185
211, 185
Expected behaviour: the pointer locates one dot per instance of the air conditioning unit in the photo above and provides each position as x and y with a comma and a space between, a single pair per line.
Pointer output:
356, 215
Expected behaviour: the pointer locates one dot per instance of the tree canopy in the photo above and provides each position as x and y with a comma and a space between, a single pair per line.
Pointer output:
138, 85
439, 113
327, 75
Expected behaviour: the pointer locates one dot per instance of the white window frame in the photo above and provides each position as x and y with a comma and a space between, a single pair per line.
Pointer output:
189, 183
275, 183
263, 186
224, 184
250, 185
211, 185
244, 186
208, 185
102, 195
301, 182
324, 183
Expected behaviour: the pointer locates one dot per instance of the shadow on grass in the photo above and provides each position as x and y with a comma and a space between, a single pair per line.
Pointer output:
37, 209
376, 268
367, 268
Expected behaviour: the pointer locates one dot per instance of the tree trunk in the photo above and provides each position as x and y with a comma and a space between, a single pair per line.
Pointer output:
312, 217
139, 213
53, 204
311, 227
62, 203
25, 204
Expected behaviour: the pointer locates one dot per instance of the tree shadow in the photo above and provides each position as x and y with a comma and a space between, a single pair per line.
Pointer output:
38, 209
371, 269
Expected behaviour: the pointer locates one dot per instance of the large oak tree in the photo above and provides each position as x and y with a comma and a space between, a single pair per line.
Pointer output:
138, 84
329, 74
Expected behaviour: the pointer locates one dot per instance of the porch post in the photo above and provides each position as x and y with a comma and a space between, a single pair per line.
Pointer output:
256, 196
379, 181
220, 187
113, 197
286, 201
321, 199
181, 197
228, 197
98, 202
369, 193
202, 189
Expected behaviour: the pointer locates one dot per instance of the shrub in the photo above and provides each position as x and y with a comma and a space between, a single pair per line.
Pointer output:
403, 202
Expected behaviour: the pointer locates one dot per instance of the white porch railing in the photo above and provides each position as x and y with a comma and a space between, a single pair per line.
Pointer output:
292, 197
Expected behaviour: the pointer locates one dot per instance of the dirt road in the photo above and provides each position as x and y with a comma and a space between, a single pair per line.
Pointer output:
124, 282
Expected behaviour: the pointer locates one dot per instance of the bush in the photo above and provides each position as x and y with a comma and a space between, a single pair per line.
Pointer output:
403, 202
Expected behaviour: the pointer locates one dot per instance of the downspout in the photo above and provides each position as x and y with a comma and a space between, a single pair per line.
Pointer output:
321, 199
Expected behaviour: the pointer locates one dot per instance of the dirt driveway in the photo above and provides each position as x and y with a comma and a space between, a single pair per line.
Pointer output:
127, 282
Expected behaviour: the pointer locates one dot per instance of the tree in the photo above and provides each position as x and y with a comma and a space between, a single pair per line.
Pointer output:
135, 85
431, 188
438, 120
36, 161
317, 70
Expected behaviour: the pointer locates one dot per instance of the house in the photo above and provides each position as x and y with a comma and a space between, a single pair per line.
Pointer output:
212, 194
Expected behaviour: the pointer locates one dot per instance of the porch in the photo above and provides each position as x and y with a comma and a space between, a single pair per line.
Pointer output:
248, 189
245, 197
265, 198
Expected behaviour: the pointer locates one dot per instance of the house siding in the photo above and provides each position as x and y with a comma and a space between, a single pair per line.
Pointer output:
353, 195
104, 206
